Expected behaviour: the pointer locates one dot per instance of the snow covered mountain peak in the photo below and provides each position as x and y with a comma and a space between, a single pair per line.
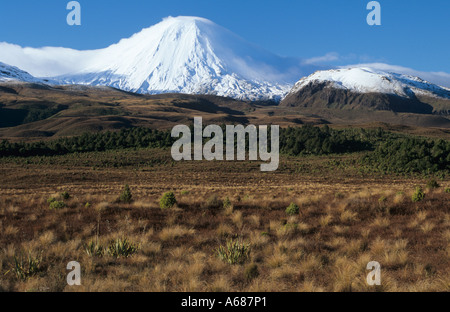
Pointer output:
188, 55
368, 80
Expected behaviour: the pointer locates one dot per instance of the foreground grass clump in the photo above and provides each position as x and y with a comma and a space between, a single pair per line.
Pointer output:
234, 252
93, 249
292, 210
214, 203
65, 195
227, 203
126, 196
122, 247
167, 201
50, 200
418, 195
56, 204
26, 266
433, 184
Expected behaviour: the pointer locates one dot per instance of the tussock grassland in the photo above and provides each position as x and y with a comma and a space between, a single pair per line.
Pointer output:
345, 220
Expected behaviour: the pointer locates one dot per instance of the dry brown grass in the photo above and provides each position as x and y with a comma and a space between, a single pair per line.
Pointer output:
348, 216
382, 222
324, 248
170, 233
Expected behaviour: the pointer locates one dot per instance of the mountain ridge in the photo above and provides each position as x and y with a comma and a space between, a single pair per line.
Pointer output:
368, 80
193, 55
12, 73
364, 88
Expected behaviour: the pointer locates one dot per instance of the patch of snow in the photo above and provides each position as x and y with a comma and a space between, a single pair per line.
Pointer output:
11, 74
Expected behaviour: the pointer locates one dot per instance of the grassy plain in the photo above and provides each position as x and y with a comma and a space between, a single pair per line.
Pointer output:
347, 218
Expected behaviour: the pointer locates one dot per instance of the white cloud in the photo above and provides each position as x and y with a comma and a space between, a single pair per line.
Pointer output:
329, 57
43, 62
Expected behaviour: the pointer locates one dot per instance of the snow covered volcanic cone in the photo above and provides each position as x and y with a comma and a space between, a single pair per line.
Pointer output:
188, 55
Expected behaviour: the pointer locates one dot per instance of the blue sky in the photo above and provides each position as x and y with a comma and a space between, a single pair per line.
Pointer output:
414, 33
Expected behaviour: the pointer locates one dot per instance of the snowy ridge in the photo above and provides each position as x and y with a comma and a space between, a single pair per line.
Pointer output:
367, 80
10, 73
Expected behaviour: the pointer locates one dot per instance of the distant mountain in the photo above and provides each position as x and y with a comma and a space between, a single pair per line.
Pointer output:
10, 73
189, 55
193, 55
366, 88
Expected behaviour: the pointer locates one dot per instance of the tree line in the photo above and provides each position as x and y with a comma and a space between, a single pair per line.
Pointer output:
90, 142
385, 151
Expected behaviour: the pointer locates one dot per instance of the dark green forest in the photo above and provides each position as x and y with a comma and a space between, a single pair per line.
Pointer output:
381, 150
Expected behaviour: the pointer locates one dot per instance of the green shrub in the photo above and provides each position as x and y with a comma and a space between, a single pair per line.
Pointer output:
126, 196
447, 190
234, 252
227, 203
433, 184
51, 200
56, 204
28, 266
65, 195
122, 247
167, 201
418, 195
251, 272
292, 209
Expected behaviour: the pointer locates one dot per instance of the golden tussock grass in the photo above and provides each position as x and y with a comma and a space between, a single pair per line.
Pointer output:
170, 233
221, 283
258, 239
348, 216
324, 221
224, 230
326, 247
10, 230
427, 227
381, 222
237, 219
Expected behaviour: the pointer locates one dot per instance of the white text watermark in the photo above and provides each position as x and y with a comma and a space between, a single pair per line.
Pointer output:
214, 148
